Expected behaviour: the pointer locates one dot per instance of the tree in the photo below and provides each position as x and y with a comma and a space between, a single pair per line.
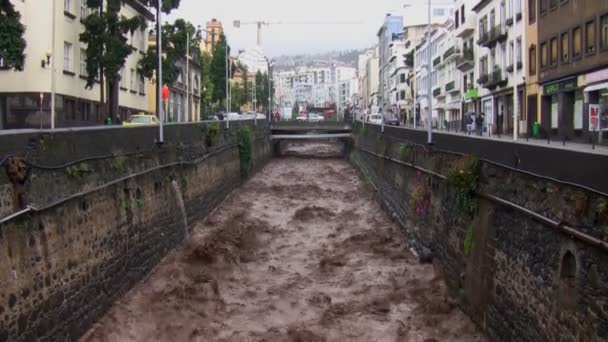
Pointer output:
259, 89
175, 38
12, 44
239, 97
206, 83
218, 69
107, 46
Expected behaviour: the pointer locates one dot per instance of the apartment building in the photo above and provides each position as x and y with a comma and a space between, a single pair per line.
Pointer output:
500, 37
465, 25
362, 78
392, 26
572, 63
372, 71
398, 75
25, 97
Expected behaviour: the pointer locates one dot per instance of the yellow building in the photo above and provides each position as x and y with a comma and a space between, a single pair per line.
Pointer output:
214, 30
21, 92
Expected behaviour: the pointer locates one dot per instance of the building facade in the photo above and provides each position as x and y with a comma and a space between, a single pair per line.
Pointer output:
213, 30
572, 62
25, 97
392, 26
500, 36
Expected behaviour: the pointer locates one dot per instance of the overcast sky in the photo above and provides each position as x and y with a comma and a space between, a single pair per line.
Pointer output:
294, 38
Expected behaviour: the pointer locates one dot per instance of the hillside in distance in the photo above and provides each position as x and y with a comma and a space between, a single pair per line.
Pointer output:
345, 58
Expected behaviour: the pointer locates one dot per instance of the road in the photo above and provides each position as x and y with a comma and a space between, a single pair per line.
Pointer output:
301, 252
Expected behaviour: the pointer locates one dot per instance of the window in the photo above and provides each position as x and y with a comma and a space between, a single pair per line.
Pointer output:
402, 95
544, 6
604, 32
565, 47
532, 11
83, 62
553, 53
532, 60
456, 17
133, 79
83, 9
140, 79
402, 78
590, 37
543, 55
462, 14
67, 6
552, 4
67, 56
577, 42
438, 12
121, 82
518, 50
511, 51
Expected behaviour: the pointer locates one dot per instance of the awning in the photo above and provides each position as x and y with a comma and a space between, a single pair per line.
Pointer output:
595, 87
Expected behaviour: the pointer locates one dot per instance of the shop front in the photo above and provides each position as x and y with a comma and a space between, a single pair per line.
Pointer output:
562, 110
596, 95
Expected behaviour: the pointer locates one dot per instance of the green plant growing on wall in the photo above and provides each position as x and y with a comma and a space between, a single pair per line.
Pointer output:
119, 163
213, 134
468, 242
420, 200
364, 131
245, 139
405, 151
77, 171
463, 176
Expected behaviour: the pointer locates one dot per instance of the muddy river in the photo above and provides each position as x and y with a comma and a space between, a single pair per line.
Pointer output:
302, 252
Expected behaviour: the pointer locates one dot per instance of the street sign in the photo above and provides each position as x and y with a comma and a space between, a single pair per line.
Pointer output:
166, 93
594, 117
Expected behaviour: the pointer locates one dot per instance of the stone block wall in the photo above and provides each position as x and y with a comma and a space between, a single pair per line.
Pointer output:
65, 264
518, 278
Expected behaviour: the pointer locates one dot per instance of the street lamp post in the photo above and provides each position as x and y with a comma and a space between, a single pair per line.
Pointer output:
159, 78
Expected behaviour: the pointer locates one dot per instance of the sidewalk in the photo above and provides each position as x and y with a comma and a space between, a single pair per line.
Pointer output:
570, 146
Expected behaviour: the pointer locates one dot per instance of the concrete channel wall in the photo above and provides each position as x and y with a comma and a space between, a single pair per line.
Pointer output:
530, 263
87, 214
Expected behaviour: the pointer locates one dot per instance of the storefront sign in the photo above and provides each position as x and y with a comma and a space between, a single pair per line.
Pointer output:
594, 117
470, 94
562, 86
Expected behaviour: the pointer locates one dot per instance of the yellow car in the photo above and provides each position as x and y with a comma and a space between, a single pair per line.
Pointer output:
141, 119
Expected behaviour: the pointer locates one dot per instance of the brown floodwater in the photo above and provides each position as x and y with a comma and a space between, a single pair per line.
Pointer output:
301, 252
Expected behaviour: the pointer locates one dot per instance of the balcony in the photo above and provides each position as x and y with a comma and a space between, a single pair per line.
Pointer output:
509, 22
518, 16
451, 53
490, 38
496, 79
437, 92
510, 68
468, 27
437, 61
452, 88
466, 61
483, 80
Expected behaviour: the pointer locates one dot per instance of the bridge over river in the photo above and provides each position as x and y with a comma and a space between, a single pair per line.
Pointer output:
326, 232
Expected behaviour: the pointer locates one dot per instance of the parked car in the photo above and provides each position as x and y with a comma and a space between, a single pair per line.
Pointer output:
141, 120
314, 117
393, 120
375, 119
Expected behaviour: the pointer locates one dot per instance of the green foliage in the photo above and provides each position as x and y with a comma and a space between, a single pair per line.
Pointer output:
12, 44
119, 163
468, 242
405, 151
77, 171
464, 177
166, 6
262, 91
245, 139
175, 47
218, 69
213, 133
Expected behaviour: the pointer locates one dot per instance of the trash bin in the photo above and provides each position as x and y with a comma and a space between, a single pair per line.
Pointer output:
536, 129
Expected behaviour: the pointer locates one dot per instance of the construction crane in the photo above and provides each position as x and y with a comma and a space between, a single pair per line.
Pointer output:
262, 23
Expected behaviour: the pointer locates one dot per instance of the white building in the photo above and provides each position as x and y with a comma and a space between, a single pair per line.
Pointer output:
20, 92
372, 84
346, 90
254, 59
392, 26
398, 75
465, 25
500, 30
362, 77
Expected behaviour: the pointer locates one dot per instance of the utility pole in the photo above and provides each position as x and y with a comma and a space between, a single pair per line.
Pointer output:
429, 78
187, 74
159, 77
54, 57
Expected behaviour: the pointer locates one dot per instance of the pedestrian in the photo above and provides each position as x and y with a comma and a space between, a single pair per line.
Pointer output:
479, 124
469, 124
118, 121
